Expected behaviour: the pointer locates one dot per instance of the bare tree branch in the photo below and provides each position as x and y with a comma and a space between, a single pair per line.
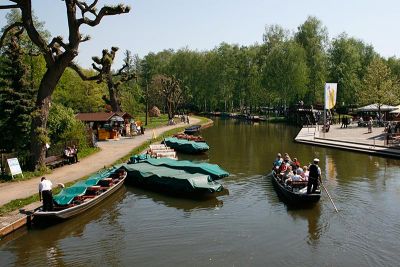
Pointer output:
120, 71
105, 11
84, 7
82, 75
95, 67
85, 38
8, 29
34, 35
9, 6
57, 40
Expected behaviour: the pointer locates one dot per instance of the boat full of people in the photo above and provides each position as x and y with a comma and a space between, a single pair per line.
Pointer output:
297, 185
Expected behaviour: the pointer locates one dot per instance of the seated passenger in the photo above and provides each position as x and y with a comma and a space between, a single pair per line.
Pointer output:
283, 167
287, 158
288, 173
295, 177
278, 161
295, 163
305, 173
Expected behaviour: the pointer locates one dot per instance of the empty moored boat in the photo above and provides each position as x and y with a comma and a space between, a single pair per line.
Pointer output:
83, 195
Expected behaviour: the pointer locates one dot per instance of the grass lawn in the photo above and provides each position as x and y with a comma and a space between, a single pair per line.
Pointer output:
153, 122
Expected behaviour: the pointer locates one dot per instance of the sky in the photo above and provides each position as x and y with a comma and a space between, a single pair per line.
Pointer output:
155, 25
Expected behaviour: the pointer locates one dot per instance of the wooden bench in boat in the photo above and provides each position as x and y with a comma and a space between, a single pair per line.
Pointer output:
166, 154
161, 146
298, 184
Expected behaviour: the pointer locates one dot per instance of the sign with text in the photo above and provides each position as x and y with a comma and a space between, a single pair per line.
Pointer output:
14, 166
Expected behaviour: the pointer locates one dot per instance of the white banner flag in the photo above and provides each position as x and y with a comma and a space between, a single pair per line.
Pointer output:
330, 95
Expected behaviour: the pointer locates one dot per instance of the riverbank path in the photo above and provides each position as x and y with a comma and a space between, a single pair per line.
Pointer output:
111, 151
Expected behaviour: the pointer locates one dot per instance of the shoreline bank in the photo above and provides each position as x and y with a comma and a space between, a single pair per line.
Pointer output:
111, 151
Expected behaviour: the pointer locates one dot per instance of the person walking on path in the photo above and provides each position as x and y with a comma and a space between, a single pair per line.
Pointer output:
45, 193
314, 176
370, 125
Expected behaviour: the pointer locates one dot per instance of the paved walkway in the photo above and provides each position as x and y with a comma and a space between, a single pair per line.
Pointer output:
110, 152
351, 138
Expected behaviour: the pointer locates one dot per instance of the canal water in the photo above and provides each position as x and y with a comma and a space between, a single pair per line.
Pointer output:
246, 226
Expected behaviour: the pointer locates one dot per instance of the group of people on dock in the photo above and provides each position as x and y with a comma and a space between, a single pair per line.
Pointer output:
289, 171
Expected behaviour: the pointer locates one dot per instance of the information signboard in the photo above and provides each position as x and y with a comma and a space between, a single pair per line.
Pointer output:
14, 166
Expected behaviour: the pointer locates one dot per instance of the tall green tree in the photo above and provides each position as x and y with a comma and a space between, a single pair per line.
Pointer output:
286, 73
16, 97
345, 67
131, 92
313, 37
378, 85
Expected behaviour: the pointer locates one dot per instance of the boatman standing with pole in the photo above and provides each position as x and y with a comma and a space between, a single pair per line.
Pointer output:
45, 193
314, 176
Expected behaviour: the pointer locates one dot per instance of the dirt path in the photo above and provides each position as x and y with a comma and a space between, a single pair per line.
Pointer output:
110, 152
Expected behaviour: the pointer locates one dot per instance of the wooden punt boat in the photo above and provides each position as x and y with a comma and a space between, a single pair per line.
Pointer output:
295, 193
166, 179
76, 199
192, 129
185, 146
195, 138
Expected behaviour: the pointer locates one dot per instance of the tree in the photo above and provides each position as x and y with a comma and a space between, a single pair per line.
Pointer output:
344, 66
86, 96
312, 36
130, 92
58, 56
16, 97
105, 74
173, 93
274, 35
378, 85
286, 73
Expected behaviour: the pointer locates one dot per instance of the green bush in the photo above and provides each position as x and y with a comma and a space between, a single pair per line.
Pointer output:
64, 127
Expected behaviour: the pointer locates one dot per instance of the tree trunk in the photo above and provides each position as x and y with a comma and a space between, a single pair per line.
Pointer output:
114, 101
41, 114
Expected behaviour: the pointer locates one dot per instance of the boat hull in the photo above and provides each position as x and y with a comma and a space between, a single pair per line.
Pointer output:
192, 129
78, 209
295, 198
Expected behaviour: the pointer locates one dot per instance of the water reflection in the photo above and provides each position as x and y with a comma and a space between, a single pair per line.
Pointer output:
146, 228
185, 204
45, 246
312, 216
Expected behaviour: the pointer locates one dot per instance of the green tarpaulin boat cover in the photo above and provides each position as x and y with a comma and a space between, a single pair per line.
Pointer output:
186, 146
66, 195
147, 173
213, 170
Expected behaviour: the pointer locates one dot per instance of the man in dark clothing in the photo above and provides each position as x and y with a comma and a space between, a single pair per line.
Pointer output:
313, 177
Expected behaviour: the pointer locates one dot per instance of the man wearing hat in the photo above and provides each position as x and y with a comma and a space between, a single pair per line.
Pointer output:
313, 177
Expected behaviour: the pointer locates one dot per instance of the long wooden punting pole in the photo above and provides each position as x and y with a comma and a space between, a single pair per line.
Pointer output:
326, 190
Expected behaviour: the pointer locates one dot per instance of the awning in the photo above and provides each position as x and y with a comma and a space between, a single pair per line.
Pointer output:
374, 108
117, 118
